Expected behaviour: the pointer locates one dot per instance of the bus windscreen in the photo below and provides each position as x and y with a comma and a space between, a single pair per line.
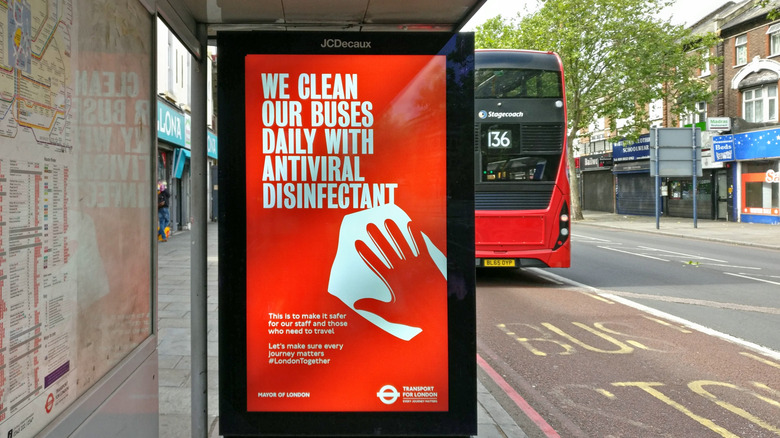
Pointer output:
506, 83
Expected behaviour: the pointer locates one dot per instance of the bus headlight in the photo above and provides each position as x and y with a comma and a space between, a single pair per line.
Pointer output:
564, 217
564, 231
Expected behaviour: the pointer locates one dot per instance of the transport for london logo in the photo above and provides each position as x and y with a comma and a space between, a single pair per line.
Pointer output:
388, 394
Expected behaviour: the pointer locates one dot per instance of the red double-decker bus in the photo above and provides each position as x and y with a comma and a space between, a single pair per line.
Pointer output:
521, 185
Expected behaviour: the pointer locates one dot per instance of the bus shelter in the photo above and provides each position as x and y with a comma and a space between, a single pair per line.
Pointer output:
78, 162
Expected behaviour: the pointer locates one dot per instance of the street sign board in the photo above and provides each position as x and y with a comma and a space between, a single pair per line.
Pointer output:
675, 152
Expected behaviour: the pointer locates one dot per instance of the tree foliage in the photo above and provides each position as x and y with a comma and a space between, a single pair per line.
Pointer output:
618, 57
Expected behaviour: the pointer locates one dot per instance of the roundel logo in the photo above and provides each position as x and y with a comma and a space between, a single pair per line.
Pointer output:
482, 114
388, 394
49, 403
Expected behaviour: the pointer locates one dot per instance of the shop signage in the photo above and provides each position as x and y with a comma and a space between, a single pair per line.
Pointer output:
343, 244
723, 145
718, 124
596, 162
757, 145
170, 124
211, 145
640, 150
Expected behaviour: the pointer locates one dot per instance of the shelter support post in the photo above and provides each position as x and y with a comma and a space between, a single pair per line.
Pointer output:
198, 265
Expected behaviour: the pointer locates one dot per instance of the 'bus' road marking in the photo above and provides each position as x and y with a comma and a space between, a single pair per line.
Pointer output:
698, 257
698, 388
648, 388
753, 278
633, 253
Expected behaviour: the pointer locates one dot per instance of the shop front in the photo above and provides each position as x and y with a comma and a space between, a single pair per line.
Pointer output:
757, 174
713, 191
170, 139
680, 196
634, 188
598, 183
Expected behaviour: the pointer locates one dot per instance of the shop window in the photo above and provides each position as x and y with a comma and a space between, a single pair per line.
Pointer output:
760, 190
760, 104
740, 50
774, 39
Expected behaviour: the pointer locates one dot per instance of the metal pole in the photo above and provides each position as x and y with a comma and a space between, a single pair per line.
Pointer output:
198, 274
657, 180
695, 195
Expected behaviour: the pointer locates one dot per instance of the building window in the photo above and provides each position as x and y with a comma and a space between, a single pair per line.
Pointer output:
740, 49
697, 116
774, 39
705, 70
760, 104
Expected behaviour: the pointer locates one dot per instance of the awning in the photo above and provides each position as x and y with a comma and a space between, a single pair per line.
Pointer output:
180, 156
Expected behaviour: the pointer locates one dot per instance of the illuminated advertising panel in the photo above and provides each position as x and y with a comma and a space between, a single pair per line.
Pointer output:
346, 278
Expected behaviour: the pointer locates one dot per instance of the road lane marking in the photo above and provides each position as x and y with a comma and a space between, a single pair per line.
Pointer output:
594, 239
633, 253
660, 314
662, 322
530, 412
600, 298
682, 254
703, 303
752, 278
732, 266
760, 359
648, 388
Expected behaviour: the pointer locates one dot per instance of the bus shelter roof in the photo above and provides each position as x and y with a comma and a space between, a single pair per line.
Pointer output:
327, 15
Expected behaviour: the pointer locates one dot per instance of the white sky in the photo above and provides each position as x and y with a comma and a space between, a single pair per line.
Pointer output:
684, 11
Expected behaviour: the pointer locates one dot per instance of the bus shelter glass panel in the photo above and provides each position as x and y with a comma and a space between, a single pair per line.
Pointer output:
75, 190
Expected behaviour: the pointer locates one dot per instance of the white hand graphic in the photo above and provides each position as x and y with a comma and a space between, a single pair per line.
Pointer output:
388, 247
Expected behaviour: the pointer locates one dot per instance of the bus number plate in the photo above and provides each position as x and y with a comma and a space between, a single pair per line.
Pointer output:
499, 263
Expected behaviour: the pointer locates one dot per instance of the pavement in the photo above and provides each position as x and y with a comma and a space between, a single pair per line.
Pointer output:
493, 421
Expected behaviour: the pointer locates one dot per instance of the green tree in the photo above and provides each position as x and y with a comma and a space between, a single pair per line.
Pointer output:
618, 57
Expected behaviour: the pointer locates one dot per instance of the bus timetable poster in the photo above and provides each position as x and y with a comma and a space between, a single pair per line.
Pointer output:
346, 228
346, 195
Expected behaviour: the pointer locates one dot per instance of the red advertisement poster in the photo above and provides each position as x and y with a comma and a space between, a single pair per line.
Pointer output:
346, 233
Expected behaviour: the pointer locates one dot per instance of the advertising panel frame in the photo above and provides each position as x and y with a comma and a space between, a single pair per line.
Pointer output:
458, 417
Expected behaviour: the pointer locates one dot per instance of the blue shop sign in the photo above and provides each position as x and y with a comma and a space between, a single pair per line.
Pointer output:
170, 124
723, 146
757, 145
632, 152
